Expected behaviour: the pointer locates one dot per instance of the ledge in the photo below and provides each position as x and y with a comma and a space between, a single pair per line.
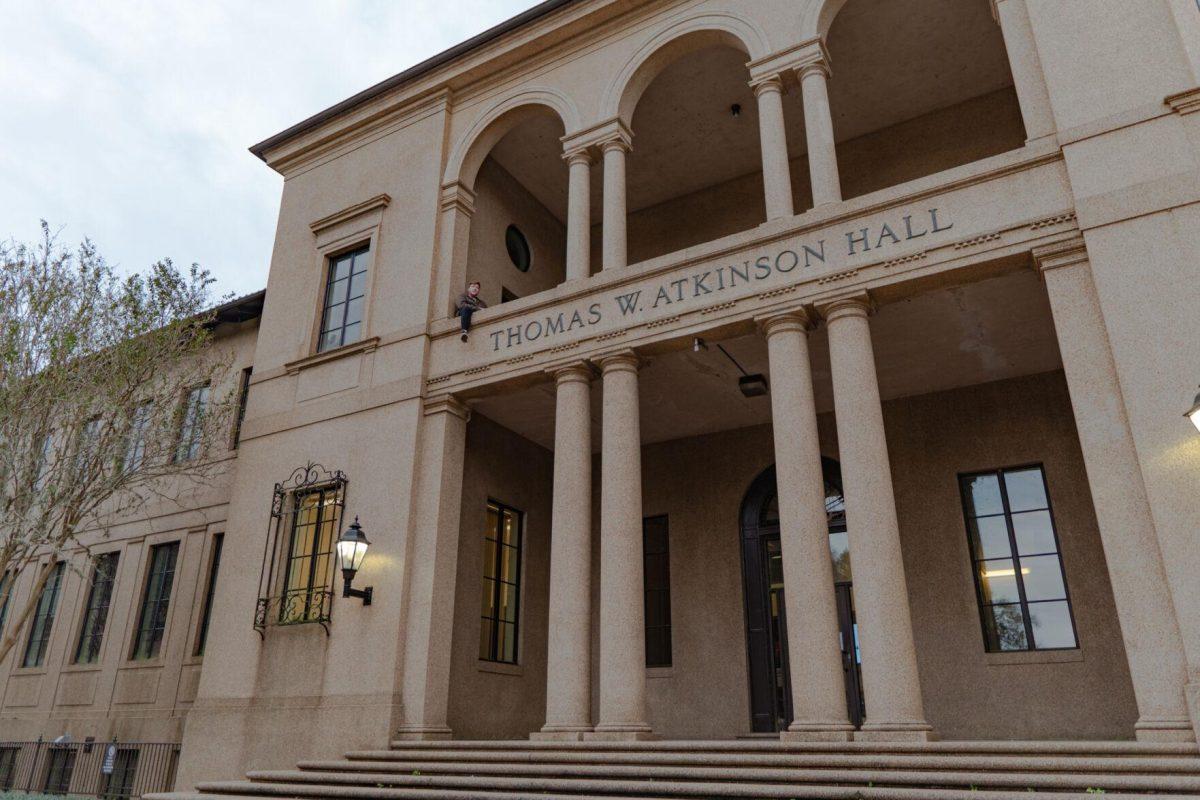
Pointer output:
498, 668
364, 346
356, 210
1024, 657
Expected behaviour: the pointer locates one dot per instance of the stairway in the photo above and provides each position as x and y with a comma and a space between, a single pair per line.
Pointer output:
689, 770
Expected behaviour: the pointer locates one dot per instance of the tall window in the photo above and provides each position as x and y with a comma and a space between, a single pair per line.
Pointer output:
243, 396
1022, 589
118, 785
501, 584
656, 566
89, 437
345, 290
156, 600
191, 423
213, 566
135, 440
61, 764
7, 580
8, 764
43, 619
95, 615
310, 556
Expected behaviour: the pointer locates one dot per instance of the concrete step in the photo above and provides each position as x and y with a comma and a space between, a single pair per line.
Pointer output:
563, 776
428, 760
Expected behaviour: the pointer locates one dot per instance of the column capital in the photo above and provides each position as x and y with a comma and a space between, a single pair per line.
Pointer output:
446, 404
1060, 254
858, 304
575, 372
597, 137
620, 361
767, 83
795, 320
458, 197
578, 155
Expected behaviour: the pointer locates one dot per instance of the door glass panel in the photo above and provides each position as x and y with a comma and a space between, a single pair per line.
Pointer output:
1043, 578
991, 537
1052, 624
1026, 490
1035, 533
998, 581
1005, 627
839, 550
774, 559
983, 496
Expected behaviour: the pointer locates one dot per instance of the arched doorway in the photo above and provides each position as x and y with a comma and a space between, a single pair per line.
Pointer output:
766, 620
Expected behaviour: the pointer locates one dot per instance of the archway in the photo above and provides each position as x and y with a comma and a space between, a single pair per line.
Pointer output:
763, 587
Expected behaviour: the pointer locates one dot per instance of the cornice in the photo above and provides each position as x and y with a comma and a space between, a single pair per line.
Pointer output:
809, 53
364, 346
446, 404
1066, 253
379, 201
594, 139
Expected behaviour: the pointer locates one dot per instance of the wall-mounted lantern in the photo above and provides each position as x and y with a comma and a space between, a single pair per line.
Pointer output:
1193, 413
352, 549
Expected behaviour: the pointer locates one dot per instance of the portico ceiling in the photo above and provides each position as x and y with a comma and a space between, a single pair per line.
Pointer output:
893, 60
960, 336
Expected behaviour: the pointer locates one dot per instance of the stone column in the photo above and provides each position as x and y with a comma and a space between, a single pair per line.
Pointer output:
1145, 611
568, 658
454, 237
777, 178
579, 225
622, 612
1026, 66
889, 668
614, 252
428, 612
818, 128
815, 659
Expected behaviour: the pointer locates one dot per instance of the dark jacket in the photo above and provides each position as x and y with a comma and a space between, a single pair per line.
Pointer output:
467, 301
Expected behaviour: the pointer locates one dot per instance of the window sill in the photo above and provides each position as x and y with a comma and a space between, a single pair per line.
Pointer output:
20, 671
660, 672
96, 667
149, 663
498, 668
364, 346
1033, 657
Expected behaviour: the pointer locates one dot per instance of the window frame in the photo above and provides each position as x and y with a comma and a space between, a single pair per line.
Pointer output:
54, 584
84, 635
243, 396
330, 259
190, 431
664, 520
164, 599
317, 585
134, 457
214, 566
493, 656
976, 559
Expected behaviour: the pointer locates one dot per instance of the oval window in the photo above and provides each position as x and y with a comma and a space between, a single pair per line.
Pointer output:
518, 248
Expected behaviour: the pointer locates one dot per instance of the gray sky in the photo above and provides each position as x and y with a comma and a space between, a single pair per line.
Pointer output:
128, 121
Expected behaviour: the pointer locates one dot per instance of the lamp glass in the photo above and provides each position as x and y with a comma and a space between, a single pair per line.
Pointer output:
1193, 413
352, 546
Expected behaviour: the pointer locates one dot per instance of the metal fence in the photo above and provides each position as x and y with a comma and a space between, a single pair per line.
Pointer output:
109, 770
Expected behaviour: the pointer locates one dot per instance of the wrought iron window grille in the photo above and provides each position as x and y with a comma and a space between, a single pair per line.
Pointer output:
296, 581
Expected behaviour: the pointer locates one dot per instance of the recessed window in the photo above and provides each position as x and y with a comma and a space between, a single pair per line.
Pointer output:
518, 248
501, 584
135, 439
6, 586
95, 615
59, 770
191, 424
243, 397
1019, 577
345, 294
118, 785
8, 763
43, 619
656, 572
214, 565
156, 601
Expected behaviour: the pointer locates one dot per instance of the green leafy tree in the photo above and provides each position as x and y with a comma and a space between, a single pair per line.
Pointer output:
98, 417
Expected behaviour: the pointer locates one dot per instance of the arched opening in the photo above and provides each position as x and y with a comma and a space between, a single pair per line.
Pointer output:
695, 171
766, 618
517, 241
917, 88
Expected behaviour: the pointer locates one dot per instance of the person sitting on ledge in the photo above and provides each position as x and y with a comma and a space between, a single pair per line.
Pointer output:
468, 303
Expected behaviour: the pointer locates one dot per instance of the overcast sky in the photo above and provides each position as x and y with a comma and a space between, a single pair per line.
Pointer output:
128, 122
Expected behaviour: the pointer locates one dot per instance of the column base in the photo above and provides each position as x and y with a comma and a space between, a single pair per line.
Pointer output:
1164, 730
817, 732
561, 733
1191, 693
895, 732
620, 733
423, 733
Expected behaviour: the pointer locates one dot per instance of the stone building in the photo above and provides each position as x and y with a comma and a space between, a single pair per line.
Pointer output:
881, 301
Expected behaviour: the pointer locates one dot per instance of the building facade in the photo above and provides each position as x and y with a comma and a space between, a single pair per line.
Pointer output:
831, 387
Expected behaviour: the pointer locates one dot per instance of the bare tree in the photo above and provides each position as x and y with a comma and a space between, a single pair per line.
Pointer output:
110, 391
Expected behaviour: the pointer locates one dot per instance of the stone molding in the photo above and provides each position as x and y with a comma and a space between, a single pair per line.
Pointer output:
610, 132
1066, 253
1186, 102
797, 319
363, 346
456, 196
446, 404
625, 360
575, 372
858, 304
379, 201
795, 59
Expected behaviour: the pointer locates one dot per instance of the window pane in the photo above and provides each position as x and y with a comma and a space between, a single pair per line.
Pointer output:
351, 333
1035, 533
489, 558
998, 581
334, 317
508, 602
1026, 489
1043, 578
487, 598
990, 537
983, 495
1004, 627
839, 549
1052, 624
354, 311
485, 638
511, 528
335, 295
509, 566
507, 644
358, 285
341, 267
331, 339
